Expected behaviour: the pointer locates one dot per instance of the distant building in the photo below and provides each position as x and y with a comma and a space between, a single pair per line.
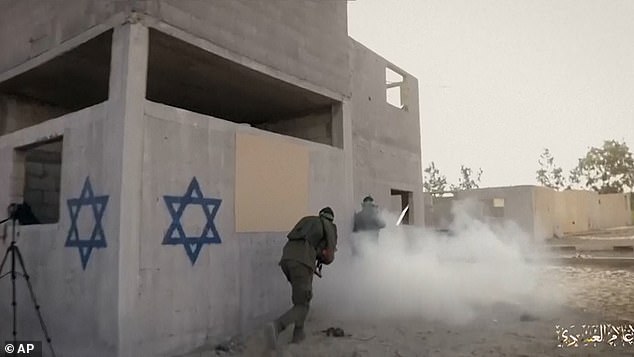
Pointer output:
541, 212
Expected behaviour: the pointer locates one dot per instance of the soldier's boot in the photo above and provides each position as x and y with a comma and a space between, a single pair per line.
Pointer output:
273, 330
298, 335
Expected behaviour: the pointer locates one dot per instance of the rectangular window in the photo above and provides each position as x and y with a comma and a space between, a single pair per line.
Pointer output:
394, 88
497, 212
498, 202
493, 208
42, 167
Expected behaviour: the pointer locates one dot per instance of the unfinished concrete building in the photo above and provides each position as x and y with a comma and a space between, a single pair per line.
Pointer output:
167, 146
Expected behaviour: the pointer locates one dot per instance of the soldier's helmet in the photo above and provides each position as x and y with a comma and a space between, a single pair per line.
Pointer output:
327, 213
368, 201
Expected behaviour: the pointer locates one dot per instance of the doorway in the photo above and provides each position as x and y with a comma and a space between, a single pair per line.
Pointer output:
405, 200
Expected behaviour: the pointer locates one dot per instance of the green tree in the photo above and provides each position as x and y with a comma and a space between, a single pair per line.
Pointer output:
548, 174
574, 179
433, 181
465, 181
607, 169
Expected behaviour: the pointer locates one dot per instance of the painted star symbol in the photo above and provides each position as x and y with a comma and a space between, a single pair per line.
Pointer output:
176, 234
97, 238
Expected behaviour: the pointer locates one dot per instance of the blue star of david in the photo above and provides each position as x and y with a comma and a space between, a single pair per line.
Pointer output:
97, 237
176, 234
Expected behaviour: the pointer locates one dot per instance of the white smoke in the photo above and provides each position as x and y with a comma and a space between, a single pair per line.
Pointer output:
417, 273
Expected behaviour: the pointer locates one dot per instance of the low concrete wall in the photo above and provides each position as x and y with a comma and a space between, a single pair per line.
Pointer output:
546, 213
438, 211
544, 223
77, 304
517, 204
235, 285
576, 211
614, 210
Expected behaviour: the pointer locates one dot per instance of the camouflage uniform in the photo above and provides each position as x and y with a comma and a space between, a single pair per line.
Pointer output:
368, 222
298, 264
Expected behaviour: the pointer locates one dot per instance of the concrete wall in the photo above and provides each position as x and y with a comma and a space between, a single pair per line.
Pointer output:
77, 304
386, 140
305, 39
233, 285
577, 211
518, 204
438, 211
614, 210
542, 212
30, 27
179, 306
314, 127
288, 36
19, 112
546, 216
574, 211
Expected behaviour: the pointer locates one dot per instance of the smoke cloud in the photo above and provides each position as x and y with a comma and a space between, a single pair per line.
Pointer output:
418, 273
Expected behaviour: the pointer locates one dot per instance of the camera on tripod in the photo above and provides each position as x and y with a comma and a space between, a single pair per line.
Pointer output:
22, 213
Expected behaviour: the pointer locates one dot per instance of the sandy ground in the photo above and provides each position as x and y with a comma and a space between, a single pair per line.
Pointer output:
569, 292
596, 295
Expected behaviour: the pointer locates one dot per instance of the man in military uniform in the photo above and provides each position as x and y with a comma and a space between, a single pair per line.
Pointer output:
368, 221
312, 241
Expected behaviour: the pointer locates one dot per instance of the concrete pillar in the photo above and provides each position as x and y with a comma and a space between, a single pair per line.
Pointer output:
128, 74
345, 121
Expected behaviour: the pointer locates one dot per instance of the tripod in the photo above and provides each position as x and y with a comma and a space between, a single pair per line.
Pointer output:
14, 252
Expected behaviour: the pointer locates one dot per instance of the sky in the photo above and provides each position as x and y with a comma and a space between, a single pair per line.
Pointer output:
499, 81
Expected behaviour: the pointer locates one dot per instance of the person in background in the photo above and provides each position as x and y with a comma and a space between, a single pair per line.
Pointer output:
368, 220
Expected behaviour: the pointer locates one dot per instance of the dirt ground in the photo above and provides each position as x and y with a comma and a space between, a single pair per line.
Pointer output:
595, 295
572, 293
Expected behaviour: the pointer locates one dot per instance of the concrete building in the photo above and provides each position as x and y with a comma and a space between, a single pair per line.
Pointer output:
540, 212
167, 146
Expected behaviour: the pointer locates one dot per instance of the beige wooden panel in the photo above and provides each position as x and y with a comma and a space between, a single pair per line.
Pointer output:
271, 183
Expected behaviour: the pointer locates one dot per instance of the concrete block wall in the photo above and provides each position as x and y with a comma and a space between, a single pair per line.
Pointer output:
234, 286
41, 192
77, 304
386, 140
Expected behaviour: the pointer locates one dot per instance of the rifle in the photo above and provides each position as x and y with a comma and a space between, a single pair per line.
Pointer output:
318, 269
